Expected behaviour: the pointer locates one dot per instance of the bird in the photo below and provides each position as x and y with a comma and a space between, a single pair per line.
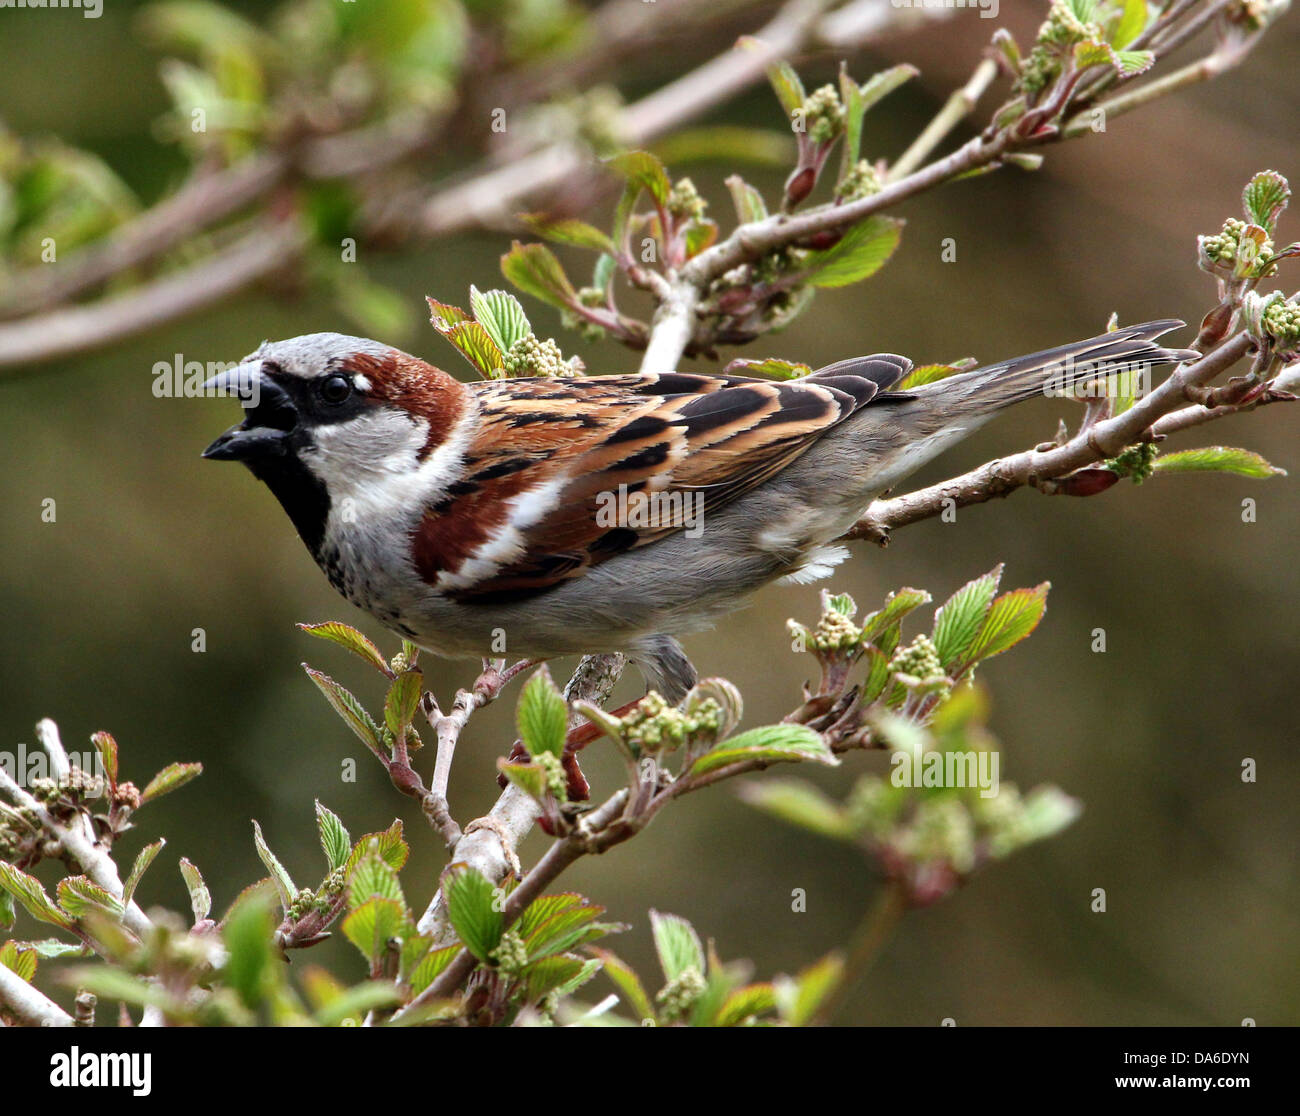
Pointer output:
547, 516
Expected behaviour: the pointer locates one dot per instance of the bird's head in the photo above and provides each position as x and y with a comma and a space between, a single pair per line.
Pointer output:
330, 416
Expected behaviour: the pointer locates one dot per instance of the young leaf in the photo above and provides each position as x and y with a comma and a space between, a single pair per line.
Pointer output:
170, 778
474, 343
528, 777
862, 251
388, 844
471, 906
28, 891
353, 640
430, 966
500, 314
562, 931
1264, 198
799, 804
77, 895
1010, 618
744, 1004
334, 839
627, 982
769, 743
1217, 459
284, 886
18, 960
348, 708
107, 748
143, 859
747, 200
567, 230
372, 877
550, 973
642, 171
773, 367
443, 315
857, 101
403, 701
897, 605
542, 715
356, 1002
959, 618
534, 269
200, 897
799, 998
370, 926
932, 373
247, 933
1131, 23
677, 944
877, 87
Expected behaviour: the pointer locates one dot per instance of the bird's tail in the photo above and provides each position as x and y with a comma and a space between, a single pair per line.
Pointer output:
1131, 351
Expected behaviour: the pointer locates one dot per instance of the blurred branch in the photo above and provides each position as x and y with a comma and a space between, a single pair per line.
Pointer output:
30, 1007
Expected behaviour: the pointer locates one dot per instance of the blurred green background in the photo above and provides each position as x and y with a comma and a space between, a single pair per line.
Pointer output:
1200, 609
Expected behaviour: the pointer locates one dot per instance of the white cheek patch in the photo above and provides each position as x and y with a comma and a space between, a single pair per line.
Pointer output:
526, 509
372, 469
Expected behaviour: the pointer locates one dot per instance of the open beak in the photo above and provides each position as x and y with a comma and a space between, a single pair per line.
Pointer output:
271, 416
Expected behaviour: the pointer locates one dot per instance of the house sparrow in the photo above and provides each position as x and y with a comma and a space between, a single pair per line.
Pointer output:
600, 513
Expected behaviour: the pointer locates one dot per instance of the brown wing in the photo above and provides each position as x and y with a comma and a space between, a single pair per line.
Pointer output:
564, 474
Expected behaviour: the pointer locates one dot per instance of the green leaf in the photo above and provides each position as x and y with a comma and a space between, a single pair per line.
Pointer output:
567, 230
773, 367
748, 201
28, 891
528, 777
247, 934
18, 960
769, 744
114, 984
959, 619
799, 804
471, 906
348, 708
858, 100
54, 949
170, 778
356, 1002
550, 973
1217, 459
107, 748
544, 908
699, 236
727, 143
373, 877
798, 999
534, 269
284, 886
1131, 23
200, 897
562, 931
403, 701
542, 715
879, 86
897, 605
862, 251
7, 912
677, 944
334, 839
388, 844
371, 926
500, 314
353, 640
1264, 198
142, 861
474, 343
430, 966
746, 1003
627, 982
1010, 618
784, 81
642, 171
932, 373
443, 315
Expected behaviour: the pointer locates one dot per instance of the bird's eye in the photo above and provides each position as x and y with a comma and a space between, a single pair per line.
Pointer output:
335, 389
